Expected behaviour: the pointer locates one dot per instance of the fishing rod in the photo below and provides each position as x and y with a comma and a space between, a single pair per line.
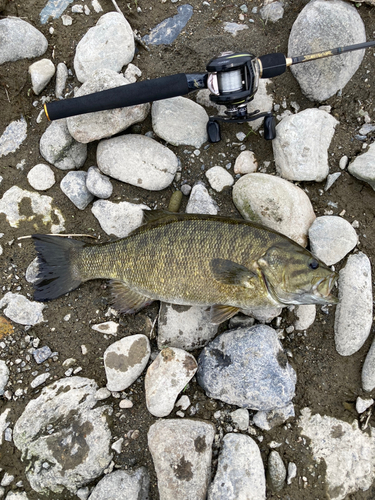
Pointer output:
232, 79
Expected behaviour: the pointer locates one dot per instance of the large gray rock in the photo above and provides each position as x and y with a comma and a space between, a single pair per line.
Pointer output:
137, 160
123, 485
181, 451
180, 121
20, 40
321, 26
353, 318
363, 167
276, 203
63, 438
108, 45
247, 367
240, 471
94, 126
301, 145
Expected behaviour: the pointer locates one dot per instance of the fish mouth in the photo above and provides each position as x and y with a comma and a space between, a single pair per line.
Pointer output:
323, 288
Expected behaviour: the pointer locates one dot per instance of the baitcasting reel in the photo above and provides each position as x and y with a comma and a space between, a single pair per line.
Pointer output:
232, 80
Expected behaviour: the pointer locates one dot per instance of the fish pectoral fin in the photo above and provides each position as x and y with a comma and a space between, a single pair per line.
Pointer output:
126, 300
231, 273
220, 313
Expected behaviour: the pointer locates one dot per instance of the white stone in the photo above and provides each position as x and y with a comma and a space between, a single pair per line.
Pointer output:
292, 472
348, 453
331, 238
331, 179
109, 328
200, 202
132, 72
137, 160
180, 121
245, 163
368, 370
95, 126
183, 402
301, 145
343, 163
276, 471
353, 318
125, 360
165, 378
363, 167
241, 418
13, 136
61, 78
266, 420
73, 185
305, 316
4, 376
361, 404
276, 203
119, 219
108, 45
123, 485
39, 380
234, 28
3, 423
41, 177
23, 41
99, 185
272, 11
219, 178
262, 101
21, 310
41, 73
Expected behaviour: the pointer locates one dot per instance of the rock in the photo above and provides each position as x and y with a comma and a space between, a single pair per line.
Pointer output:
183, 402
168, 30
263, 314
108, 45
166, 377
13, 136
301, 145
319, 26
63, 414
180, 121
305, 316
368, 370
262, 101
234, 28
331, 179
23, 41
276, 473
132, 72
240, 419
331, 238
4, 376
272, 12
109, 328
41, 73
41, 205
348, 453
353, 318
95, 126
343, 163
125, 360
361, 405
119, 219
266, 420
99, 185
363, 167
74, 187
137, 160
200, 202
245, 163
186, 327
240, 470
181, 451
219, 178
123, 485
16, 495
247, 367
276, 203
39, 380
292, 472
3, 425
42, 354
58, 147
54, 9
41, 177
61, 78
21, 310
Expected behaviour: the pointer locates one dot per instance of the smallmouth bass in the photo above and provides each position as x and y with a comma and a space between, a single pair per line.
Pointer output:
188, 259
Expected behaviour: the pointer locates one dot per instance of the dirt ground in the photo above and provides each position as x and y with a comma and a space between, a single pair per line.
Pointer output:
326, 382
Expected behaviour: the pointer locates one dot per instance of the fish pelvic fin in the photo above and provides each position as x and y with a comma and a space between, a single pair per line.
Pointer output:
126, 300
220, 313
57, 273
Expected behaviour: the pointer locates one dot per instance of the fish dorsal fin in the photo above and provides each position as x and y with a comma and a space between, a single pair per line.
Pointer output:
126, 300
150, 216
231, 273
221, 313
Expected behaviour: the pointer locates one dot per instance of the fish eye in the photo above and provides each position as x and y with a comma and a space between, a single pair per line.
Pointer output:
313, 264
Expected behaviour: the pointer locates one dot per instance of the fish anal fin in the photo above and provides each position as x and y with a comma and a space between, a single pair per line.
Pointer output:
220, 313
230, 273
126, 300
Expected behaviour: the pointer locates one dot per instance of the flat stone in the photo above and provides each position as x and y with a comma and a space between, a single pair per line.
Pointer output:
301, 145
305, 316
54, 9
4, 376
61, 78
168, 30
361, 404
353, 318
200, 202
240, 418
42, 354
219, 178
23, 41
273, 11
266, 420
13, 136
368, 370
182, 451
21, 310
41, 177
41, 73
137, 160
74, 187
108, 328
276, 473
276, 203
240, 470
99, 185
245, 163
119, 219
363, 167
123, 485
125, 360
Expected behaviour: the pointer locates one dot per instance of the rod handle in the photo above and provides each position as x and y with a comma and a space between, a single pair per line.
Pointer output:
272, 65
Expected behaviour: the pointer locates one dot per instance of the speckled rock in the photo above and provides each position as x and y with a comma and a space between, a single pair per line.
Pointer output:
41, 177
23, 41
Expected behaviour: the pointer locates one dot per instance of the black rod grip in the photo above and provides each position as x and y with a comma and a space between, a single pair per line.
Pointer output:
272, 65
120, 97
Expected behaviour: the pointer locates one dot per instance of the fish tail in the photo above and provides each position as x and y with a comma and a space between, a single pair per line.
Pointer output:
57, 262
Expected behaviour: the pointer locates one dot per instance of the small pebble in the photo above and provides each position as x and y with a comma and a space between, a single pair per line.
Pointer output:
126, 403
42, 354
